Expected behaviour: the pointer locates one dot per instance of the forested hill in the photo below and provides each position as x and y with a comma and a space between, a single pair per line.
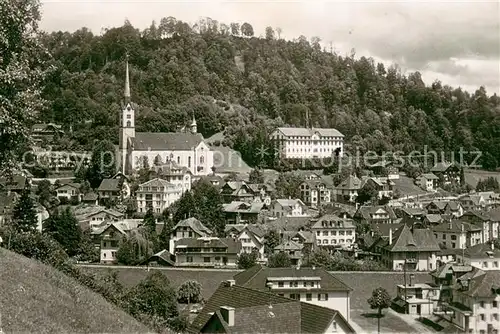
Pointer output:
178, 70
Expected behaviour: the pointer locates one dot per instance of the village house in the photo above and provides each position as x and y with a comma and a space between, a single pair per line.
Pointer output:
432, 219
158, 195
410, 248
188, 228
288, 208
308, 143
236, 309
375, 215
428, 182
262, 193
93, 216
90, 198
489, 227
446, 276
236, 191
207, 252
242, 212
472, 202
457, 234
69, 192
445, 208
46, 132
347, 190
482, 256
417, 298
170, 171
250, 236
293, 249
304, 238
109, 236
311, 285
109, 190
475, 303
332, 230
448, 172
316, 192
383, 185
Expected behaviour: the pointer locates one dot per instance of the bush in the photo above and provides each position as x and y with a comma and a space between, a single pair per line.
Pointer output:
247, 260
189, 292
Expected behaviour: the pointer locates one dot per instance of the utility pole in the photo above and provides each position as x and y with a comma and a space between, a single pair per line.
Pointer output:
404, 273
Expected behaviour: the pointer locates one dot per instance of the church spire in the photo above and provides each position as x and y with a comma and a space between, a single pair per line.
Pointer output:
194, 127
127, 81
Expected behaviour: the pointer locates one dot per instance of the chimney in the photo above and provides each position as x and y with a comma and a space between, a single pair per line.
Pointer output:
230, 282
227, 313
390, 236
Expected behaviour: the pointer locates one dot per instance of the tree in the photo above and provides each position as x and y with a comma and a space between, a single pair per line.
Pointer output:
63, 228
149, 222
367, 193
256, 176
320, 258
189, 292
184, 207
152, 297
379, 300
288, 185
164, 237
247, 260
46, 196
269, 33
102, 163
235, 29
22, 71
208, 202
271, 240
87, 251
24, 216
247, 29
279, 260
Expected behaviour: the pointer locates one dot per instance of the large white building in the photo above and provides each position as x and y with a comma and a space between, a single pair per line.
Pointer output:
140, 149
304, 143
159, 194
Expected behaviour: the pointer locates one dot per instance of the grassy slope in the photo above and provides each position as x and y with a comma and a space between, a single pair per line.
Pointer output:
472, 176
38, 299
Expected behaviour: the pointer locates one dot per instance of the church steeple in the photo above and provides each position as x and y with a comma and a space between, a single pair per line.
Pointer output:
127, 82
194, 127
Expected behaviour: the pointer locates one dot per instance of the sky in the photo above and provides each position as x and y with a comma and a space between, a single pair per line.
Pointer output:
456, 42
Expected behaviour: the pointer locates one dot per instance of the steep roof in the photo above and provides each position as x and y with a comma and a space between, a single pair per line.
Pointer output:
172, 141
90, 197
441, 167
333, 222
494, 214
481, 283
429, 176
406, 240
256, 277
252, 312
305, 132
289, 203
433, 218
351, 182
366, 212
109, 185
195, 225
243, 207
482, 251
288, 223
288, 246
157, 183
456, 226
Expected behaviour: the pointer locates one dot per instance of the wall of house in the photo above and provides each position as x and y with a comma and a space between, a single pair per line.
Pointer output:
485, 312
198, 260
452, 240
482, 263
425, 261
160, 200
337, 300
305, 148
332, 236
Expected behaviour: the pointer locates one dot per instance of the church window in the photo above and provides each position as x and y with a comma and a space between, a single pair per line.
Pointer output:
189, 161
129, 116
178, 159
129, 124
202, 160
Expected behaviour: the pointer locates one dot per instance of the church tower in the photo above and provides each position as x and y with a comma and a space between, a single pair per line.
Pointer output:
127, 122
194, 127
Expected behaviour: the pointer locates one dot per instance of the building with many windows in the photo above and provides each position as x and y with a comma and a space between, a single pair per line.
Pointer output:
157, 194
308, 143
457, 234
331, 230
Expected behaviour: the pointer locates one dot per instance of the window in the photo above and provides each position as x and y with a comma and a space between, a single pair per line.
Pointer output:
444, 236
129, 124
189, 259
322, 296
494, 304
202, 160
281, 295
494, 316
325, 233
129, 116
318, 233
309, 296
189, 161
482, 304
495, 264
453, 237
206, 259
485, 264
295, 296
294, 284
113, 254
280, 284
482, 317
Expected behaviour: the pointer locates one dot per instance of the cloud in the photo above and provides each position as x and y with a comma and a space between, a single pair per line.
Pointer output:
449, 40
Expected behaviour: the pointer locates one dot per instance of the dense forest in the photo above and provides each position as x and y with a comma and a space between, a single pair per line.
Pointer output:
246, 85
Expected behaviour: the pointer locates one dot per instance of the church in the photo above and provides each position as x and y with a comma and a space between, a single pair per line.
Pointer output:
142, 149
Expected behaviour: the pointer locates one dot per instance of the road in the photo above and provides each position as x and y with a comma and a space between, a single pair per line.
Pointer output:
218, 269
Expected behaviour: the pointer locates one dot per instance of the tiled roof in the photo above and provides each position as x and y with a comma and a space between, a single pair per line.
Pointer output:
429, 176
365, 212
157, 183
288, 223
252, 313
90, 197
333, 222
439, 204
71, 185
289, 203
441, 167
494, 214
455, 226
170, 167
406, 240
482, 251
233, 246
171, 141
434, 218
195, 225
448, 269
454, 206
288, 246
351, 182
305, 132
109, 185
256, 277
481, 283
243, 207
255, 229
236, 227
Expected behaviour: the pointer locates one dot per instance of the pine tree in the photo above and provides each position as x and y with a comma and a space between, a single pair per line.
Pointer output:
24, 217
64, 228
